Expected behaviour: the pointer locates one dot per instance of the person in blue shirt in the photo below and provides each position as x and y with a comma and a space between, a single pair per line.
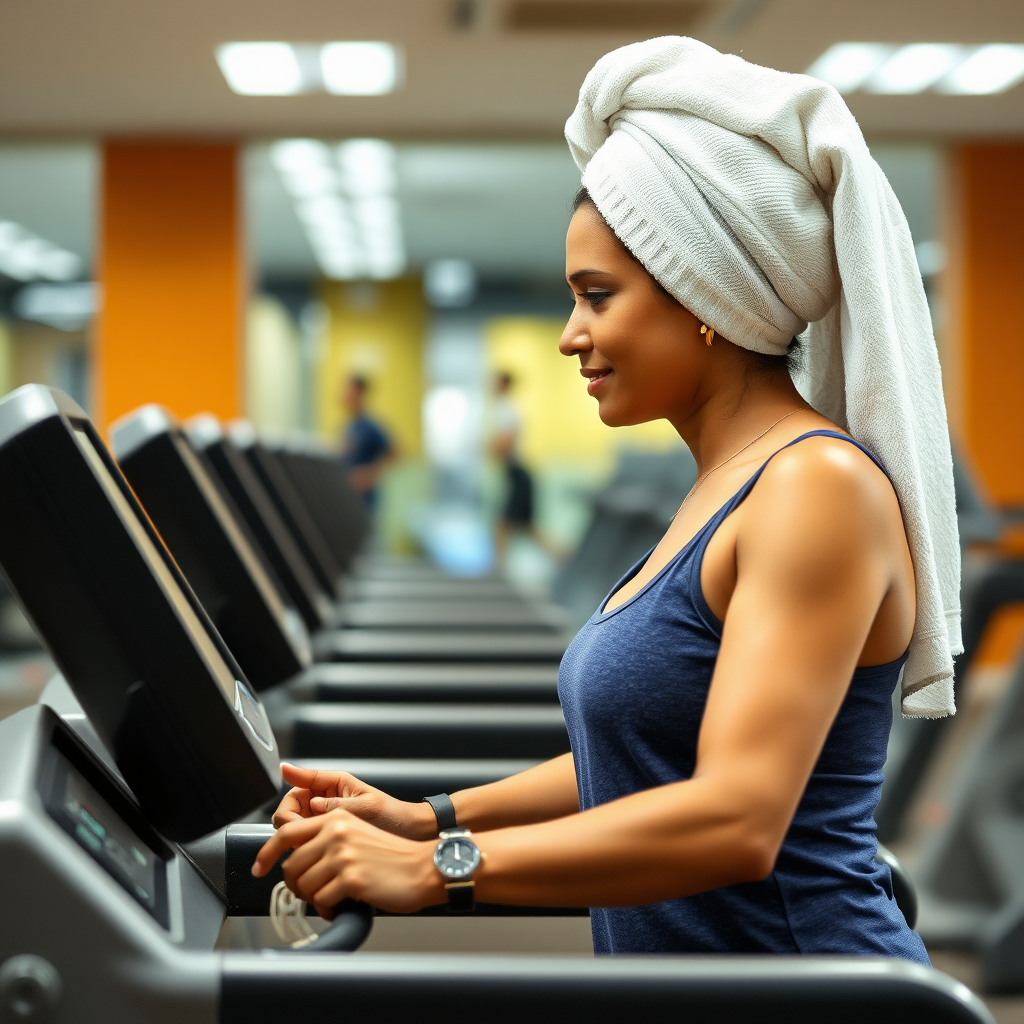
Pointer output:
366, 446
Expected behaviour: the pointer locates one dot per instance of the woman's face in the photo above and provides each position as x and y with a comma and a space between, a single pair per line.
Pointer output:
641, 352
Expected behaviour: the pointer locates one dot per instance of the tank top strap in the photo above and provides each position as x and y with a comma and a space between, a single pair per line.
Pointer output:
700, 542
742, 493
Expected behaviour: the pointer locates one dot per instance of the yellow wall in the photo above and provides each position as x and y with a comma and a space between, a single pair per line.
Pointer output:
273, 367
6, 359
375, 330
34, 353
560, 420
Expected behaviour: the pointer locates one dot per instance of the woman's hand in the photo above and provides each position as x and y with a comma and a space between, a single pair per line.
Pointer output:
315, 793
338, 856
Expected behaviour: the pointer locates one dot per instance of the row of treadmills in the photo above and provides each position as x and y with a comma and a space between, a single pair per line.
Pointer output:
202, 593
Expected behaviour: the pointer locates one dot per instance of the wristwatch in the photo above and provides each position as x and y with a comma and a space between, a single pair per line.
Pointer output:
444, 811
457, 857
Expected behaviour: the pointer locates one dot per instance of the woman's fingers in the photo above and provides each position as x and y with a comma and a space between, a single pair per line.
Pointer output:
296, 776
288, 837
326, 804
325, 899
325, 871
294, 804
305, 857
317, 782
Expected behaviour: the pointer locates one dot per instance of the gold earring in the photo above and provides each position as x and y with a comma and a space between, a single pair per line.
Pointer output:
709, 332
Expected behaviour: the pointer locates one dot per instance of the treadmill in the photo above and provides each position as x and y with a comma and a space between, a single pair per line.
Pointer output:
213, 546
340, 681
319, 477
201, 530
534, 644
486, 602
120, 843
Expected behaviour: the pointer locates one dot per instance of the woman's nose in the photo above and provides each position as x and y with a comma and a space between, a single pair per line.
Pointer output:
575, 338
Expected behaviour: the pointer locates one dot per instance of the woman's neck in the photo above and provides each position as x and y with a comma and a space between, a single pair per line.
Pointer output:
734, 411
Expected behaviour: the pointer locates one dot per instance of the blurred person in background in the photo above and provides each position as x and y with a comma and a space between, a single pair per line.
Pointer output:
366, 446
518, 511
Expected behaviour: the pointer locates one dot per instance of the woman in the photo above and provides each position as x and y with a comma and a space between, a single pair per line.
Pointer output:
729, 703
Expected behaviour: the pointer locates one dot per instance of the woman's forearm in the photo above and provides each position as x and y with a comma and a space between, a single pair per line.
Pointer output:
539, 794
659, 844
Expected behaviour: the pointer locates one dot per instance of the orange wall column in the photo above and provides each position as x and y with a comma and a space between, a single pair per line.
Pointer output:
984, 285
172, 271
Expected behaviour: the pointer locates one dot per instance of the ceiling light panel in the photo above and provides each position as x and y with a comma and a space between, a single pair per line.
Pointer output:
288, 69
67, 306
848, 66
990, 69
912, 69
886, 69
260, 69
27, 257
359, 69
345, 200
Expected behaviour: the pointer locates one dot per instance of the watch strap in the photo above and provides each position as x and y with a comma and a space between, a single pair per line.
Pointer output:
444, 811
461, 896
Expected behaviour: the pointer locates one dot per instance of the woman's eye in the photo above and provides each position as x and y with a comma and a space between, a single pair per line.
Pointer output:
594, 297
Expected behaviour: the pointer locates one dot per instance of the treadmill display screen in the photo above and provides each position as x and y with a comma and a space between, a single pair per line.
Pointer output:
205, 646
76, 805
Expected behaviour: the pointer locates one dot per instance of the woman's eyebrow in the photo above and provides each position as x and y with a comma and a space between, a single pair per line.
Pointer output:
585, 272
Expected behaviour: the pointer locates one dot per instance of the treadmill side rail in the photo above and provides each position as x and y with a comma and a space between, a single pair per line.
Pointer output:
269, 989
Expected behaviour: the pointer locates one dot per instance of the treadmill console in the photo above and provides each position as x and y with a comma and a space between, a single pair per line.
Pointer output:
160, 686
105, 824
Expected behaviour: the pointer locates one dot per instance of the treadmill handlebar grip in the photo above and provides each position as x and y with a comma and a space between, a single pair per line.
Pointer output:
245, 895
350, 926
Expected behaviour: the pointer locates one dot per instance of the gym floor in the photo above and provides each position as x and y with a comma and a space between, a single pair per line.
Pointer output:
22, 678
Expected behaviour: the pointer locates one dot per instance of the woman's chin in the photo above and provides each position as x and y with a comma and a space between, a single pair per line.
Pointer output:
615, 416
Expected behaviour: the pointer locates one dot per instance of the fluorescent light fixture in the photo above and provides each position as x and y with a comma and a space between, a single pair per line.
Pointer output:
376, 213
299, 154
990, 69
322, 210
260, 69
27, 257
359, 69
66, 306
848, 66
912, 69
305, 166
368, 166
905, 70
346, 203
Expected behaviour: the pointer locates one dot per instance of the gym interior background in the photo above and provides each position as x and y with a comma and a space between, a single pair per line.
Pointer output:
238, 232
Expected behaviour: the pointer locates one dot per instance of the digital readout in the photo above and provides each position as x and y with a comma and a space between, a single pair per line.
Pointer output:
98, 828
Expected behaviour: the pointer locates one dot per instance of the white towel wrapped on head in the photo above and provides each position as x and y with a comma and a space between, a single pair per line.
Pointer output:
751, 196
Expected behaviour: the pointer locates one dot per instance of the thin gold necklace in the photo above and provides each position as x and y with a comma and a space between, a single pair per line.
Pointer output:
740, 451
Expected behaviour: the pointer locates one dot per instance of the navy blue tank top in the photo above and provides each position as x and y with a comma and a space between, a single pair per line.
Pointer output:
633, 685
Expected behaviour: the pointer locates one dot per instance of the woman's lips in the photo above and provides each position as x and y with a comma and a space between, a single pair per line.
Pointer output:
595, 378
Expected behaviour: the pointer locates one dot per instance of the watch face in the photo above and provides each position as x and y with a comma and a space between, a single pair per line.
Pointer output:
457, 858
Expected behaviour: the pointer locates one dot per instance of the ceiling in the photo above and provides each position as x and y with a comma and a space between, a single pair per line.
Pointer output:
481, 69
501, 206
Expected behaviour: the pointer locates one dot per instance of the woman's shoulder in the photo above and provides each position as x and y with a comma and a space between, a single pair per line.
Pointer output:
821, 489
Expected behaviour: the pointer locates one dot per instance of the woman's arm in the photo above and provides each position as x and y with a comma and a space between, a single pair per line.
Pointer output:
814, 562
539, 794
